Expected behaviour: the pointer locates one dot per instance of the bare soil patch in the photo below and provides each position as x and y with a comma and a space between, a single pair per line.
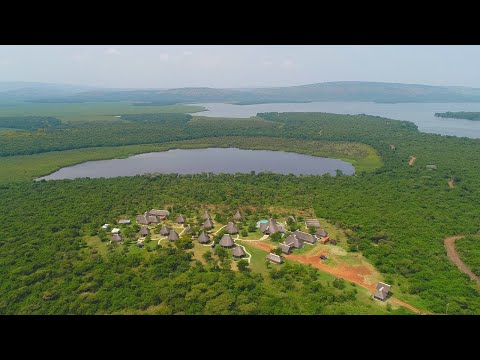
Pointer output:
455, 258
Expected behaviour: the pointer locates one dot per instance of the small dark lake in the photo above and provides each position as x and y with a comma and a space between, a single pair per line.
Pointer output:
214, 160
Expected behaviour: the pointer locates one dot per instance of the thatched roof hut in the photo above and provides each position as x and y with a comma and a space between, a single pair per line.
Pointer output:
293, 241
231, 228
270, 227
144, 231
285, 248
312, 223
206, 215
153, 219
173, 235
381, 291
238, 252
203, 238
321, 233
238, 216
142, 219
161, 213
165, 230
208, 224
116, 237
303, 236
277, 259
226, 241
180, 219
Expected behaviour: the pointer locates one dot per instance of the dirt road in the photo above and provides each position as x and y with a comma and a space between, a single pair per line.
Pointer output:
353, 274
451, 183
412, 160
455, 258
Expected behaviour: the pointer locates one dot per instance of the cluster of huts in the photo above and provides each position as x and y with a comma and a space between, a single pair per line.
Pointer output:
116, 231
297, 239
226, 241
294, 240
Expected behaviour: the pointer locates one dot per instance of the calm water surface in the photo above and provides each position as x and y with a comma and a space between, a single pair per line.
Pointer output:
215, 160
422, 114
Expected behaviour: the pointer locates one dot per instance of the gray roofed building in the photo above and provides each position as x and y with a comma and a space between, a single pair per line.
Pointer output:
115, 231
208, 224
293, 241
238, 216
173, 235
270, 227
165, 230
124, 221
381, 291
226, 241
277, 259
312, 223
206, 215
321, 233
285, 248
142, 219
153, 219
431, 167
231, 228
180, 219
305, 236
116, 237
161, 213
238, 252
144, 231
203, 238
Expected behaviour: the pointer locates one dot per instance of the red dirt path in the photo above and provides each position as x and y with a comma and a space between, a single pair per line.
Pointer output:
353, 274
455, 258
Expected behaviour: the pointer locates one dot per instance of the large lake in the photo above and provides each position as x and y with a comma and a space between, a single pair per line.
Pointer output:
214, 160
421, 114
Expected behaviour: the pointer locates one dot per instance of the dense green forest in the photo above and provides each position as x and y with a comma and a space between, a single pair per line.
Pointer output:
396, 215
469, 250
460, 115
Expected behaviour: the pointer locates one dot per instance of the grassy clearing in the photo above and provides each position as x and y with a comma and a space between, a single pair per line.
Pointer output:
87, 112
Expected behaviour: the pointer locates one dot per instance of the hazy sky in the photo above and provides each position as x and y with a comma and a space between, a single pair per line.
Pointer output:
238, 66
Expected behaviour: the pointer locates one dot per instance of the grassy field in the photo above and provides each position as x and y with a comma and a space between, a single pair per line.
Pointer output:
86, 112
28, 167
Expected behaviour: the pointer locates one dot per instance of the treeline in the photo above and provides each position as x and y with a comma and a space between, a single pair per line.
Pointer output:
460, 115
28, 122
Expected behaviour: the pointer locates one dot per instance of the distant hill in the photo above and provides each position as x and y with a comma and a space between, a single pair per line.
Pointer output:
27, 91
372, 92
329, 91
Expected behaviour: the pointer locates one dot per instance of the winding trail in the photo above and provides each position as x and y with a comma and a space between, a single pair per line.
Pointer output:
455, 258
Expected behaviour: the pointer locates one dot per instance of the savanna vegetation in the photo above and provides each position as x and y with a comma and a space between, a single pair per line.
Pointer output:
397, 215
475, 116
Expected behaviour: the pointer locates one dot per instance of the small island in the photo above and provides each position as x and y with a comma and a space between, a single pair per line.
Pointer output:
475, 116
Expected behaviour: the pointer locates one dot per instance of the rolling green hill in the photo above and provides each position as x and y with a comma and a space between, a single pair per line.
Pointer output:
329, 91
